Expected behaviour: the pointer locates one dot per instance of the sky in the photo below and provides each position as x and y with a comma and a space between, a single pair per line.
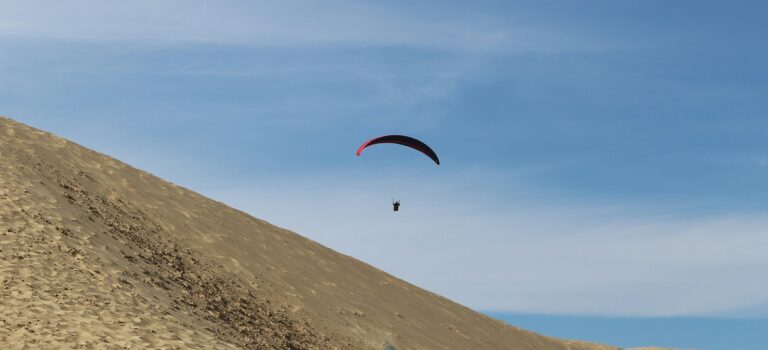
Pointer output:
631, 333
598, 158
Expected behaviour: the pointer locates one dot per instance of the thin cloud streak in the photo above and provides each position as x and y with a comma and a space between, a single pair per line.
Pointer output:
283, 87
280, 23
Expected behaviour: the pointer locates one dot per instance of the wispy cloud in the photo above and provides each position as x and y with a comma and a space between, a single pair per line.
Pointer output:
282, 23
299, 88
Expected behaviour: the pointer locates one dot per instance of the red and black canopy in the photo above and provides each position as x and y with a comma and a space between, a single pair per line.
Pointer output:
402, 140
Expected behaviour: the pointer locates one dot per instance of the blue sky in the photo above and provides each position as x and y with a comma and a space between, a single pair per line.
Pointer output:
598, 157
678, 332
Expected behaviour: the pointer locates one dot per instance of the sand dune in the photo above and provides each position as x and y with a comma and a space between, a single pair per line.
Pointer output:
97, 254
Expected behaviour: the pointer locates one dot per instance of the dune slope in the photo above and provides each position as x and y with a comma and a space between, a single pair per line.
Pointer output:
95, 253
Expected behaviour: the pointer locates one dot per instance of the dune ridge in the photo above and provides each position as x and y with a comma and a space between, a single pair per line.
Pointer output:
95, 254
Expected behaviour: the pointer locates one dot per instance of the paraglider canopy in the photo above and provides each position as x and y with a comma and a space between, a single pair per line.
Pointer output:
402, 140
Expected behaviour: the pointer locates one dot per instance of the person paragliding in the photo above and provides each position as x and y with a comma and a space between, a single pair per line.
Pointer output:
403, 141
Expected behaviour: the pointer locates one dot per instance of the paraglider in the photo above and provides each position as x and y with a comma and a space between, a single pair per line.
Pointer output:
404, 141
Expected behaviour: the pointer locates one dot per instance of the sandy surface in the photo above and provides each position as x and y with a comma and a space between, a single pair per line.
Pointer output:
96, 254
